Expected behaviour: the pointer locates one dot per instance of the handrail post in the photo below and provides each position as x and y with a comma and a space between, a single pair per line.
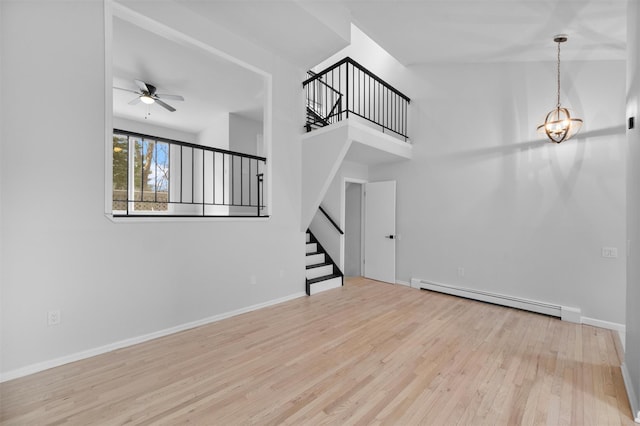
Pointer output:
259, 178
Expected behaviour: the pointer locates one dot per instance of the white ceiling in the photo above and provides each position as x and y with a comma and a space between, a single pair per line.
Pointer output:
428, 31
210, 84
299, 30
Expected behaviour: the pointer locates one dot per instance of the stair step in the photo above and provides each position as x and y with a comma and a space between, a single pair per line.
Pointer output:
324, 278
317, 265
328, 284
308, 237
319, 271
314, 258
312, 247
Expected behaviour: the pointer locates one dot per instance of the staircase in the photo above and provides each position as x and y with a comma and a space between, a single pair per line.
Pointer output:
314, 120
322, 273
324, 103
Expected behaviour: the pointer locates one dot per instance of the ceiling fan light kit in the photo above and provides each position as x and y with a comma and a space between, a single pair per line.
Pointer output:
147, 99
559, 125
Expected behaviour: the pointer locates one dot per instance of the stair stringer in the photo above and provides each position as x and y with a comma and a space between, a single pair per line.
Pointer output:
323, 151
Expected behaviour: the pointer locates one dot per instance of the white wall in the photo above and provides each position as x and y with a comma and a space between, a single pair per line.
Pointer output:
370, 55
484, 192
244, 134
632, 346
216, 135
111, 281
153, 130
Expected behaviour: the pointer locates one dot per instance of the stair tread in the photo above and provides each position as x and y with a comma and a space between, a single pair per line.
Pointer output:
314, 253
318, 265
323, 278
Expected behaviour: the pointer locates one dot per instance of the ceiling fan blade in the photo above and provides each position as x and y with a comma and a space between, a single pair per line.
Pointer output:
142, 85
164, 105
171, 97
126, 90
134, 101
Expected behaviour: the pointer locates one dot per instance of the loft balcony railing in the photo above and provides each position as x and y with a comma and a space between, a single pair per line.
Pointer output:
159, 177
349, 89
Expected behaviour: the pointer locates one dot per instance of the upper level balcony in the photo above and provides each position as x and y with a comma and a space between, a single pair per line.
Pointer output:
349, 90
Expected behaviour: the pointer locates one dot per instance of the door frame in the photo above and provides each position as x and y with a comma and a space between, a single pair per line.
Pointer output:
343, 210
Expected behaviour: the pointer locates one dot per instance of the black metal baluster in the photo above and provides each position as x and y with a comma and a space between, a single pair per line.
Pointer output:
141, 171
129, 155
203, 179
193, 177
155, 184
346, 81
340, 89
370, 114
241, 181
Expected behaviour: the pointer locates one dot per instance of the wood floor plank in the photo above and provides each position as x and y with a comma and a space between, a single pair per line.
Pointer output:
368, 353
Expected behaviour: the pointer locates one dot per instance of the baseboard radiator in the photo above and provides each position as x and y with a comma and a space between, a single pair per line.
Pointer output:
563, 312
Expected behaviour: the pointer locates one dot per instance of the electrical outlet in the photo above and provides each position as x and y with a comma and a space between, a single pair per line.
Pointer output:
53, 317
460, 271
610, 252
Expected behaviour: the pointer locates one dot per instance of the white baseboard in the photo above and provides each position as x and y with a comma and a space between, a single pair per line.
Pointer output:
633, 399
45, 365
567, 313
496, 298
404, 283
620, 328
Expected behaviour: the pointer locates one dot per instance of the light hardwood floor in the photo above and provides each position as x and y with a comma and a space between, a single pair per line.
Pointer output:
367, 353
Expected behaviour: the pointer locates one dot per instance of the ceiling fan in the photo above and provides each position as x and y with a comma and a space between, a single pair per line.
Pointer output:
147, 94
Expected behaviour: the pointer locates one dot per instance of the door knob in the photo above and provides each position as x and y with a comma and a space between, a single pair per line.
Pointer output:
391, 237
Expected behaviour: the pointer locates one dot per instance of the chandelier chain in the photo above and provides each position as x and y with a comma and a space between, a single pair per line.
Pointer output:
558, 102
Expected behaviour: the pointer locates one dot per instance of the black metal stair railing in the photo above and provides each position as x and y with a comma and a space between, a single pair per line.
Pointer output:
154, 176
349, 88
324, 104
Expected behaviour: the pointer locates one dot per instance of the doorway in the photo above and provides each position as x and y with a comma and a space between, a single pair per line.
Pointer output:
353, 226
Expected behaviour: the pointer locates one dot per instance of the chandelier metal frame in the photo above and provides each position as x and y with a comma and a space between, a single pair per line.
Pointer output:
559, 125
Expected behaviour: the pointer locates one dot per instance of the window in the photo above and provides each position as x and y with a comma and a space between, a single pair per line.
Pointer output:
140, 173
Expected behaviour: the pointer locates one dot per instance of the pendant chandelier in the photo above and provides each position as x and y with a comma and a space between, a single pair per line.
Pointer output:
559, 125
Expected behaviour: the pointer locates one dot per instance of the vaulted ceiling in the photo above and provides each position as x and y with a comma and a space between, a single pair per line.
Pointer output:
427, 31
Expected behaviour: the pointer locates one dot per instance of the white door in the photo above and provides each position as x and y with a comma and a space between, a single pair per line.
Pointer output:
380, 231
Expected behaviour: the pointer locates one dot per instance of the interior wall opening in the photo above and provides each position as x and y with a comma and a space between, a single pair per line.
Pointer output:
353, 229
